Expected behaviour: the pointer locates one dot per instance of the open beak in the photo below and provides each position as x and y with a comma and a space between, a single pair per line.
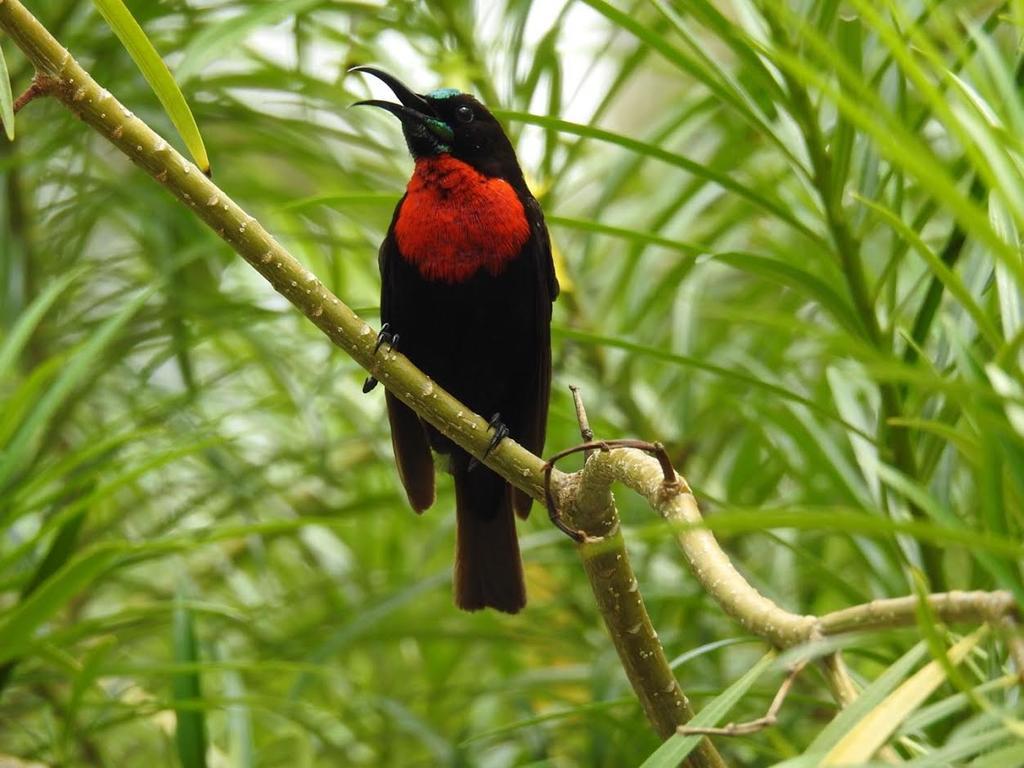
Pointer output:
414, 111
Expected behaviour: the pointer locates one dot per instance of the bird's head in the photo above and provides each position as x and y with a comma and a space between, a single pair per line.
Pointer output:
447, 121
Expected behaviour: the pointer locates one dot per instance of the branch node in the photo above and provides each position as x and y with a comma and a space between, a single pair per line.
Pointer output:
554, 514
41, 85
671, 483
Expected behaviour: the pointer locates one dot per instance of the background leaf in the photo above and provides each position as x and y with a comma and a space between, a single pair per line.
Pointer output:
6, 99
159, 77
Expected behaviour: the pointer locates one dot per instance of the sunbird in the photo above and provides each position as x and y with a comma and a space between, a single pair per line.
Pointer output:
467, 284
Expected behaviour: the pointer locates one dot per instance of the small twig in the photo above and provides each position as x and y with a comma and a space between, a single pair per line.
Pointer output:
955, 607
38, 87
586, 433
753, 726
671, 484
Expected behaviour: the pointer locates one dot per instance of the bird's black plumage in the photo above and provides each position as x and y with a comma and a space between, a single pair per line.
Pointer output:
477, 324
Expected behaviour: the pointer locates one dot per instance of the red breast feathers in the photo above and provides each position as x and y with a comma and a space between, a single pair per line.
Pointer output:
455, 221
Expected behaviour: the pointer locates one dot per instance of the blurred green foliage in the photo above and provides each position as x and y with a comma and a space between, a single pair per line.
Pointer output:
789, 245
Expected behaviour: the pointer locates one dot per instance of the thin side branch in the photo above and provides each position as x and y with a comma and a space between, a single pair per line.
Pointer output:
753, 726
738, 598
40, 86
586, 433
581, 414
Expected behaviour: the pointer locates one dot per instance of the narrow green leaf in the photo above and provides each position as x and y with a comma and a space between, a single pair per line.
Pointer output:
749, 193
20, 624
859, 743
241, 745
799, 280
91, 666
962, 748
635, 236
58, 554
677, 747
6, 98
740, 377
1011, 307
30, 318
869, 699
157, 75
848, 32
950, 279
1007, 757
190, 732
81, 364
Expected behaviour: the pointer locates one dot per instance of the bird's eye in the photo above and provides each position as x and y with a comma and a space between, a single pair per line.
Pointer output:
464, 114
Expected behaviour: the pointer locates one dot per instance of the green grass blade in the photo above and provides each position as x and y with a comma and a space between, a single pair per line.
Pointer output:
212, 41
18, 452
190, 717
848, 31
241, 744
19, 626
58, 554
157, 75
740, 377
30, 318
635, 236
799, 280
870, 698
860, 742
749, 193
6, 98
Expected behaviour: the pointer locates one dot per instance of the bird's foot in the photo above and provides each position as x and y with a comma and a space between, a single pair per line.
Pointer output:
383, 337
500, 433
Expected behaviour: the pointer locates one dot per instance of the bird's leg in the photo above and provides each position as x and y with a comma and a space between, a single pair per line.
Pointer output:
500, 433
384, 337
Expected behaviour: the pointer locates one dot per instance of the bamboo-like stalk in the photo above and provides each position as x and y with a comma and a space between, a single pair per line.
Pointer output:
592, 510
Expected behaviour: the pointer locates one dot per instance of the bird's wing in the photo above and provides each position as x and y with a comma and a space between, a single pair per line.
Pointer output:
535, 422
408, 437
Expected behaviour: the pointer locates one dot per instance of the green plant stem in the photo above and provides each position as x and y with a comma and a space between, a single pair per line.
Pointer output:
606, 561
948, 607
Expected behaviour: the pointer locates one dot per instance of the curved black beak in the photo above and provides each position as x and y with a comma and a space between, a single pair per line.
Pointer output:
415, 112
401, 91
